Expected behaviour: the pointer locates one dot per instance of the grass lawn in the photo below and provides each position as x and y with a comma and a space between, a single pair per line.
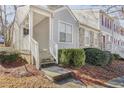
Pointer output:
90, 74
19, 74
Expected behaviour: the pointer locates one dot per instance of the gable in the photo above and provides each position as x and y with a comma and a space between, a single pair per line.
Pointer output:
65, 12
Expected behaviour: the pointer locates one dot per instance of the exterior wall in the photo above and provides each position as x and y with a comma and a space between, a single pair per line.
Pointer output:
118, 43
106, 27
15, 43
114, 41
41, 34
65, 16
107, 42
19, 41
89, 25
93, 37
88, 17
25, 42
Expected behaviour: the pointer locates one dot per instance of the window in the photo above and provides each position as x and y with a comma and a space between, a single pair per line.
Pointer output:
25, 31
110, 25
105, 22
102, 20
65, 32
96, 39
114, 27
87, 38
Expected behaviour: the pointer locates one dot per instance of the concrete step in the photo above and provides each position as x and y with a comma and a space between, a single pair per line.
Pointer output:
62, 77
56, 73
47, 60
47, 64
25, 52
70, 83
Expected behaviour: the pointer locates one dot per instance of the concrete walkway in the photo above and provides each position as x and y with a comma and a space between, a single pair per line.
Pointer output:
119, 82
62, 77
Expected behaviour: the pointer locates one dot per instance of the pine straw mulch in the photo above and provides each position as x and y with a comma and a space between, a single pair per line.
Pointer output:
90, 74
20, 74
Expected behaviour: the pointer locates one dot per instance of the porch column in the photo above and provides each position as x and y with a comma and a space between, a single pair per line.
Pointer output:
31, 23
30, 32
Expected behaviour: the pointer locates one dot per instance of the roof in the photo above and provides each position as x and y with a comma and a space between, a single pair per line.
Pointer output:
87, 17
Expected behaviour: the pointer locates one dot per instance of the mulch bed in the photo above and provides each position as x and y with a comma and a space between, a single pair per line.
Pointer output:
20, 74
94, 74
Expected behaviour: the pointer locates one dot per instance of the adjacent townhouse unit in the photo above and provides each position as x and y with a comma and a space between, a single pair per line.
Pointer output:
118, 38
106, 28
89, 31
111, 32
40, 31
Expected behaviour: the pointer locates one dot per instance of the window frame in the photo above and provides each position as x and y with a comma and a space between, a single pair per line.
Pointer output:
27, 32
66, 23
87, 44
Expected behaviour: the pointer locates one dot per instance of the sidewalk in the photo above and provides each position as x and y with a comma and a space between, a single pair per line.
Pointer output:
119, 81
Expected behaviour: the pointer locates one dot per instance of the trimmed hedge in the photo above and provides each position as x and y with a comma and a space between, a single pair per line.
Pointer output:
109, 57
116, 56
71, 57
98, 57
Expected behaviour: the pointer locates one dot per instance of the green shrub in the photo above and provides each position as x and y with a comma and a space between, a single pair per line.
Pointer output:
8, 57
71, 57
64, 57
97, 57
116, 56
109, 57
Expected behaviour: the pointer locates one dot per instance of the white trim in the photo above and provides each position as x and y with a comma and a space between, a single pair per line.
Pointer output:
60, 9
59, 32
40, 11
69, 10
72, 14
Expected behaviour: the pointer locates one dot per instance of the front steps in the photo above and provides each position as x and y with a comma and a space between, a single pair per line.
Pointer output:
46, 59
61, 76
56, 73
47, 62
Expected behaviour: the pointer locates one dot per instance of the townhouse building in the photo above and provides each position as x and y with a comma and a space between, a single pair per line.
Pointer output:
40, 32
118, 38
106, 28
89, 30
110, 33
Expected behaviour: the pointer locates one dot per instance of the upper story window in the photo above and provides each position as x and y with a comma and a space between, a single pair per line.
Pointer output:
65, 32
114, 27
106, 22
110, 25
102, 20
